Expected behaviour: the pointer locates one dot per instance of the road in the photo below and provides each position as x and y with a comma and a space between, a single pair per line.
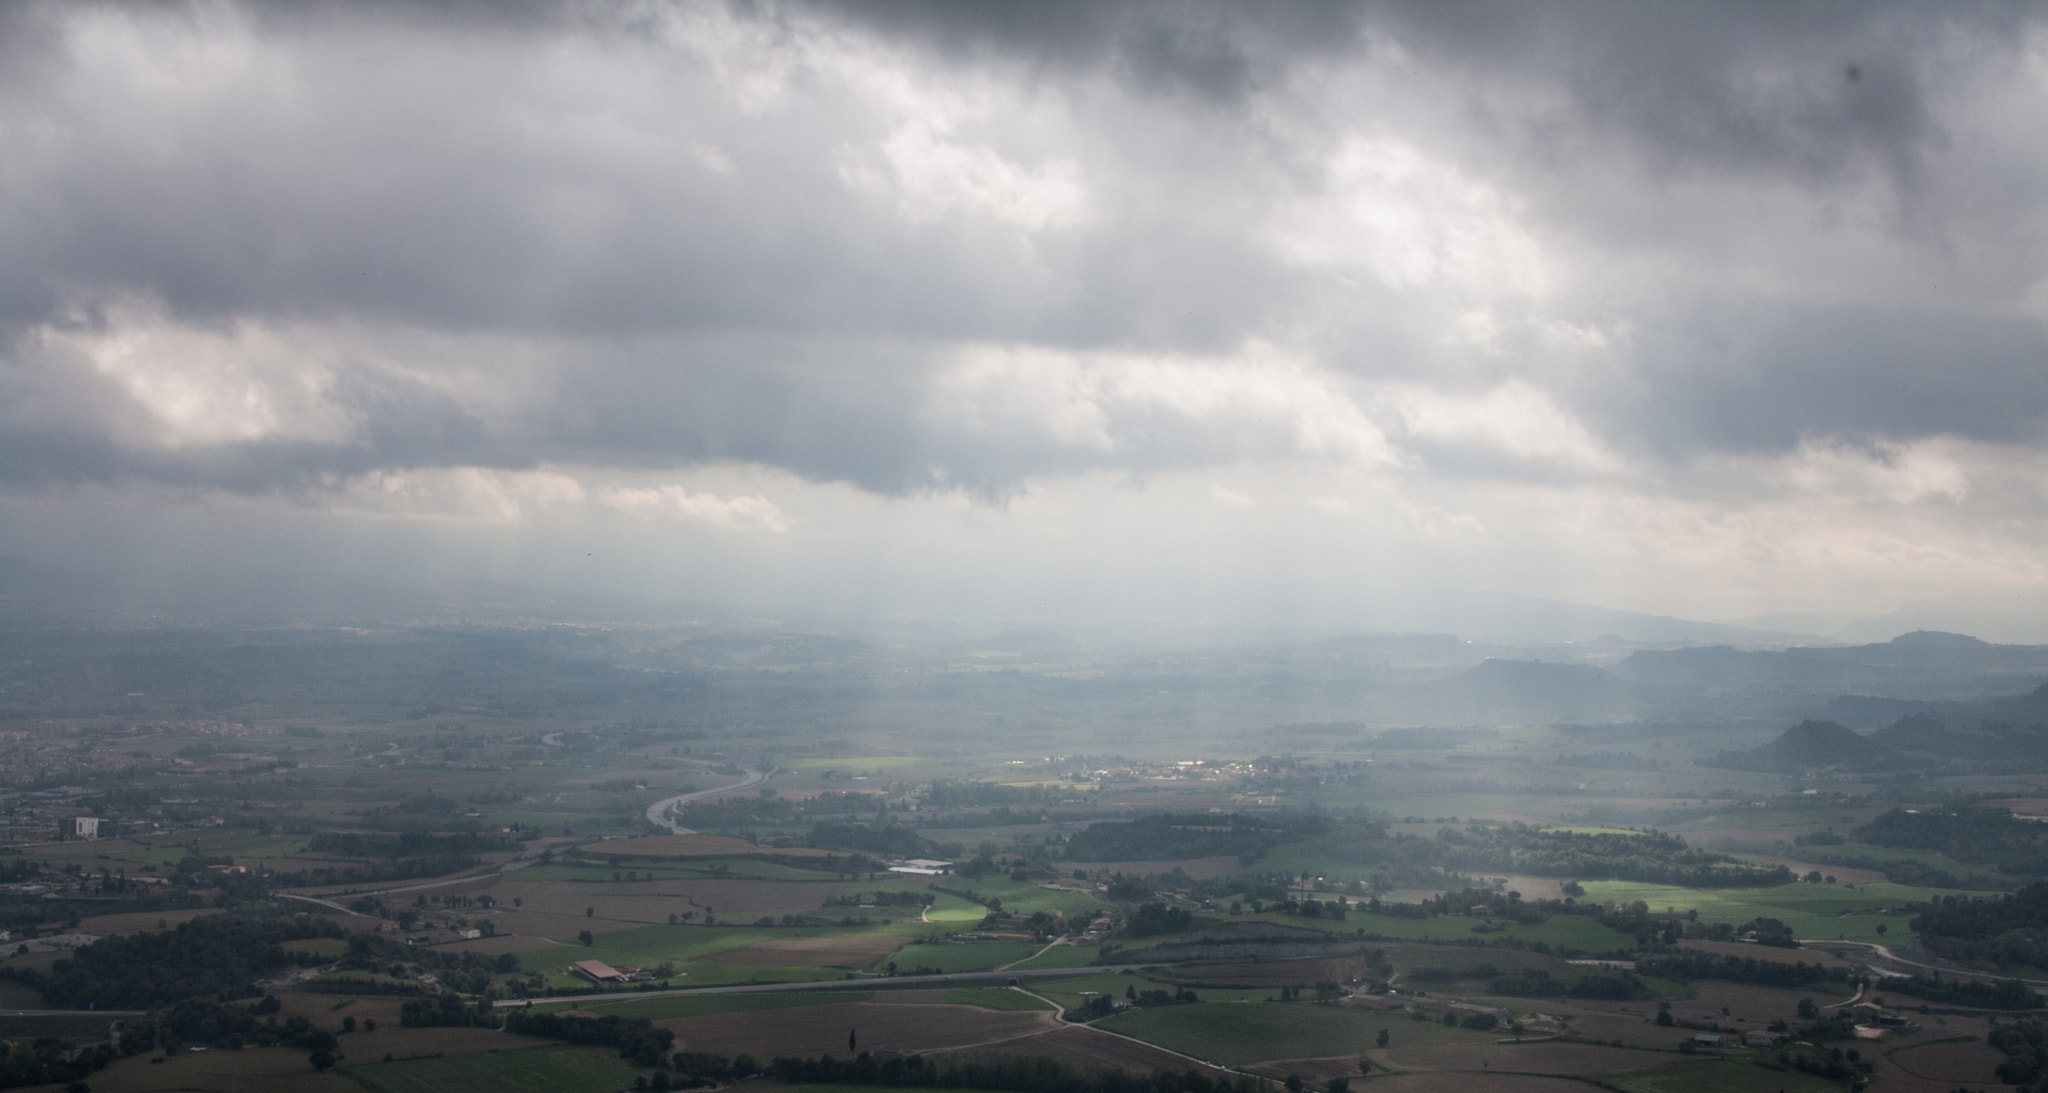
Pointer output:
322, 902
657, 813
866, 984
1887, 956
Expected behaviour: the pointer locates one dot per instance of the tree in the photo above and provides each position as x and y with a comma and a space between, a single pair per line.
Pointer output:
1340, 1085
851, 1043
589, 912
1294, 1083
585, 937
1664, 1017
1382, 1038
321, 1059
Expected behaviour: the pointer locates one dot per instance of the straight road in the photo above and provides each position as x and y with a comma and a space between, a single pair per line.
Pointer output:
867, 984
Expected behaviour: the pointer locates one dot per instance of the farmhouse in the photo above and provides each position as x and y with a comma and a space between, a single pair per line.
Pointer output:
597, 971
921, 867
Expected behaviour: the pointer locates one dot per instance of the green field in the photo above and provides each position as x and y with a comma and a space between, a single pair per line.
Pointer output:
963, 956
1064, 956
648, 945
1025, 897
524, 1070
990, 998
1820, 911
1237, 1034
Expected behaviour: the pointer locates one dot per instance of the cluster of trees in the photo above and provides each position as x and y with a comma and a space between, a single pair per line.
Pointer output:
1688, 965
218, 956
466, 972
1152, 919
46, 1062
1014, 1074
1648, 856
1978, 834
1836, 1065
2005, 932
636, 1037
2025, 1045
188, 1021
2004, 994
1169, 835
881, 840
407, 844
696, 1068
448, 1010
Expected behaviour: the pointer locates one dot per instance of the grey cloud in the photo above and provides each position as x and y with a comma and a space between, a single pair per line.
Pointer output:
412, 170
1750, 377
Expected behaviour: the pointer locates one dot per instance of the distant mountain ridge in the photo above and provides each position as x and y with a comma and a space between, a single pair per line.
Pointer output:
1809, 745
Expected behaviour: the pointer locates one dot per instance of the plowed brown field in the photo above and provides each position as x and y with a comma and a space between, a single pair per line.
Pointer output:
823, 952
1081, 1046
819, 1030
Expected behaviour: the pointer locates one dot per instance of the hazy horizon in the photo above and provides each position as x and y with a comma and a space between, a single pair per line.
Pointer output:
1303, 315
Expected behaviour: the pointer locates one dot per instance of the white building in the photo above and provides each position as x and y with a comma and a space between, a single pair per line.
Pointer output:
85, 827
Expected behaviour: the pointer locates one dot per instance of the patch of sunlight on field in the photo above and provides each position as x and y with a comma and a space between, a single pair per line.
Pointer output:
1820, 911
954, 909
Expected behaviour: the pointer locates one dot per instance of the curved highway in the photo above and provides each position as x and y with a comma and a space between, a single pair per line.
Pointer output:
657, 813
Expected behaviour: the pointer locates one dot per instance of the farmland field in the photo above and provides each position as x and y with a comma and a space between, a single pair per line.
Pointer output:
1819, 911
822, 1029
964, 956
1235, 1034
827, 952
526, 1070
1720, 1076
992, 998
687, 1006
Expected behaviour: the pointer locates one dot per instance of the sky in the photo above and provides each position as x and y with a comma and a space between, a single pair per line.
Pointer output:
1048, 311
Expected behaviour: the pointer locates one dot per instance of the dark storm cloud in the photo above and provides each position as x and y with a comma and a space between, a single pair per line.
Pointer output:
1758, 377
709, 280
